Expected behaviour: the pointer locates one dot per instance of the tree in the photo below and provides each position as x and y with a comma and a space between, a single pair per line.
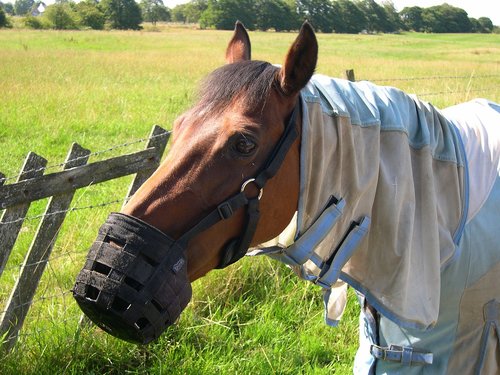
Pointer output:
394, 22
90, 14
190, 12
4, 22
320, 13
475, 25
22, 7
446, 19
412, 18
353, 18
486, 25
275, 14
222, 14
61, 16
380, 18
194, 9
8, 8
154, 11
122, 14
375, 16
178, 13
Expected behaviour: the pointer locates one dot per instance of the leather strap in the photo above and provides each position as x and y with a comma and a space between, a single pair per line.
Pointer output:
405, 355
237, 248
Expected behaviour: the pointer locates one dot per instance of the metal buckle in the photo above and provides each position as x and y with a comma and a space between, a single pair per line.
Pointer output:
406, 355
243, 187
225, 210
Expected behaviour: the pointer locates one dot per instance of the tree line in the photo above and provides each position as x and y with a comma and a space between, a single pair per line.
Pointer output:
339, 16
86, 14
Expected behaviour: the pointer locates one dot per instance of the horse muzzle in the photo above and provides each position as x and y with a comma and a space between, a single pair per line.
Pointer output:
134, 283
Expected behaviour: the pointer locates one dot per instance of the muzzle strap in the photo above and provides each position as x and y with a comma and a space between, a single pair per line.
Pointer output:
224, 211
237, 248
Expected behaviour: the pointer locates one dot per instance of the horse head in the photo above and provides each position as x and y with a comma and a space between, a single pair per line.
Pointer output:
229, 181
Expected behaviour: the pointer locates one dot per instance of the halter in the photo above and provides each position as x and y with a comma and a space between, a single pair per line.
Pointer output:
238, 247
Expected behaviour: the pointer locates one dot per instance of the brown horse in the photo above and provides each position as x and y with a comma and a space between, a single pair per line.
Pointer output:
222, 142
202, 207
394, 197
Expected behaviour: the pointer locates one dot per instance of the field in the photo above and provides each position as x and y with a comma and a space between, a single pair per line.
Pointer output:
102, 89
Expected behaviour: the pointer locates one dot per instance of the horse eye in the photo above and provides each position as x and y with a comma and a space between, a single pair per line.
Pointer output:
245, 146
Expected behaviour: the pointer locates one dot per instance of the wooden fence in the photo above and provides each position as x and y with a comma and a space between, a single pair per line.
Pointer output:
59, 187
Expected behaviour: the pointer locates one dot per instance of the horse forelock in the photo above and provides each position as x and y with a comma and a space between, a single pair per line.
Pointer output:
248, 81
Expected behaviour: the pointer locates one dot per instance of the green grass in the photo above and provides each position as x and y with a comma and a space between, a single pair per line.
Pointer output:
107, 88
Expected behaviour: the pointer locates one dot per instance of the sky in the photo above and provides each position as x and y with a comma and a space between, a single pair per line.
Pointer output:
474, 8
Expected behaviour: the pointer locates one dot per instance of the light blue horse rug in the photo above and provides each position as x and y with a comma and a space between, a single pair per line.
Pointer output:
402, 202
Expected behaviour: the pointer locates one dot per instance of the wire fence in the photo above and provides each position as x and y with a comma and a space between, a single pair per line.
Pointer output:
69, 313
96, 153
69, 210
25, 280
466, 90
430, 78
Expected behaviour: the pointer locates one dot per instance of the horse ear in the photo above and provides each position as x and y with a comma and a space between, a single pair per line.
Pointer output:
300, 61
239, 48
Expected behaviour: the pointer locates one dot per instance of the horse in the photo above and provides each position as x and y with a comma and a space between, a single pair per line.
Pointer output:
348, 183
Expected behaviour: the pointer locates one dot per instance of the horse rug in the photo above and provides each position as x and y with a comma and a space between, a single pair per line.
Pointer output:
401, 201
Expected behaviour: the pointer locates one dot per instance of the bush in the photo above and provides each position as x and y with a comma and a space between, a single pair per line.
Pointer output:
90, 15
61, 16
35, 23
4, 22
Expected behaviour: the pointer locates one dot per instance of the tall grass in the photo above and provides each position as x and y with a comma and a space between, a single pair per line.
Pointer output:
107, 88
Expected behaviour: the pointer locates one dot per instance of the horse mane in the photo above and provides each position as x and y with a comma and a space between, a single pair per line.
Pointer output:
249, 79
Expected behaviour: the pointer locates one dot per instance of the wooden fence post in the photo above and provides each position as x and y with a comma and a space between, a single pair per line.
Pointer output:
157, 139
349, 75
38, 254
13, 217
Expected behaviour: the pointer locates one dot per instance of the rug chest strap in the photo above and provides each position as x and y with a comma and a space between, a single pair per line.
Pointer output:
406, 355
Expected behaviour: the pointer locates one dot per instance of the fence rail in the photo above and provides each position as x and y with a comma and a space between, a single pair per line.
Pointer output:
60, 187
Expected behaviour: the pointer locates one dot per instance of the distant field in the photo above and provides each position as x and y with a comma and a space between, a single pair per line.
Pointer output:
108, 88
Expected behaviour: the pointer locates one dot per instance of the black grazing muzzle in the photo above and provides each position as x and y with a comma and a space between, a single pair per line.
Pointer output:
134, 283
